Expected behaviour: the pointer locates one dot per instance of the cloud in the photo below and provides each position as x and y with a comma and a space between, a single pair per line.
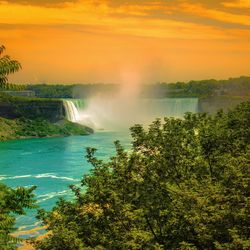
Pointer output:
182, 19
237, 4
45, 3
104, 19
213, 13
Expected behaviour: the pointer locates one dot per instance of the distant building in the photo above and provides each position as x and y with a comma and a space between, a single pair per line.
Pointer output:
28, 93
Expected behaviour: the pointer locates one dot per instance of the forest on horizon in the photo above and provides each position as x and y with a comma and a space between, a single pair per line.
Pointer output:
239, 86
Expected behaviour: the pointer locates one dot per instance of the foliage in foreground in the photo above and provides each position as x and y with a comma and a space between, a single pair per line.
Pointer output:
12, 201
184, 185
7, 67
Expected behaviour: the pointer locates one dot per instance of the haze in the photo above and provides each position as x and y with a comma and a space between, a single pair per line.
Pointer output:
98, 40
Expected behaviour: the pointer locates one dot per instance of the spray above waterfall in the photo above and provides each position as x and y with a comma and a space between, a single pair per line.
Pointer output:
116, 114
126, 108
116, 111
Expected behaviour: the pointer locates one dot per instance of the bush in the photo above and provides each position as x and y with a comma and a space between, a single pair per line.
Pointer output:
12, 201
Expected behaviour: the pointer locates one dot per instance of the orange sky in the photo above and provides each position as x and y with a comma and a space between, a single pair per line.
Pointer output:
78, 41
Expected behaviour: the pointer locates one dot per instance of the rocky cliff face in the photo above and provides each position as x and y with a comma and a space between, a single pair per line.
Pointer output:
51, 110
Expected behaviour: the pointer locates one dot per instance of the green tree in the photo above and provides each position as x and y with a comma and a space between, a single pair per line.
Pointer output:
12, 201
183, 185
7, 67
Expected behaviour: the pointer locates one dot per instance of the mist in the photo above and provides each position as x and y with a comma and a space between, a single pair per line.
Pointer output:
122, 109
119, 110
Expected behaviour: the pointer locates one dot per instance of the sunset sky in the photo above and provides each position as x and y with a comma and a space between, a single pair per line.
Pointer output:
79, 41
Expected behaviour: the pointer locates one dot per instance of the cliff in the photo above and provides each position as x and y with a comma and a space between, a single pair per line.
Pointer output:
15, 107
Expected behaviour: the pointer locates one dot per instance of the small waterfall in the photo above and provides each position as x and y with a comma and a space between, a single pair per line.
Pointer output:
71, 111
75, 112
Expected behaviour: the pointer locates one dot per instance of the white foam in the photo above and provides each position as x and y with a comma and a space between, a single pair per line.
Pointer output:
38, 176
6, 177
51, 195
2, 177
53, 176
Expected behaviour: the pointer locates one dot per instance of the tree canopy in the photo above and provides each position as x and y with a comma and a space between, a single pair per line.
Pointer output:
183, 185
7, 67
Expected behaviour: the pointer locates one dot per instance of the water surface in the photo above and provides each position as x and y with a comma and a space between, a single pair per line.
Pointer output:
51, 164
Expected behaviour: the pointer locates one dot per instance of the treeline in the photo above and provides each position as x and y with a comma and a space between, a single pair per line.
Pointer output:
63, 91
42, 90
12, 87
72, 91
51, 91
205, 88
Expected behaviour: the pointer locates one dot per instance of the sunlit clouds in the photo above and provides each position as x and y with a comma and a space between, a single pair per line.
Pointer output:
237, 4
96, 40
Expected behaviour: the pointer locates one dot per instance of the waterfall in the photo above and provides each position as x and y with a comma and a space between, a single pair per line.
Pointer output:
71, 112
170, 107
111, 113
79, 103
75, 112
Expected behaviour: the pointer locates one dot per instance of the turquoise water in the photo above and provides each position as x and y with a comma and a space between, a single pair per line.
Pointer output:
52, 164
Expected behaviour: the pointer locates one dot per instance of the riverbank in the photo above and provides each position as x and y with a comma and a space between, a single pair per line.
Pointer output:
22, 128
